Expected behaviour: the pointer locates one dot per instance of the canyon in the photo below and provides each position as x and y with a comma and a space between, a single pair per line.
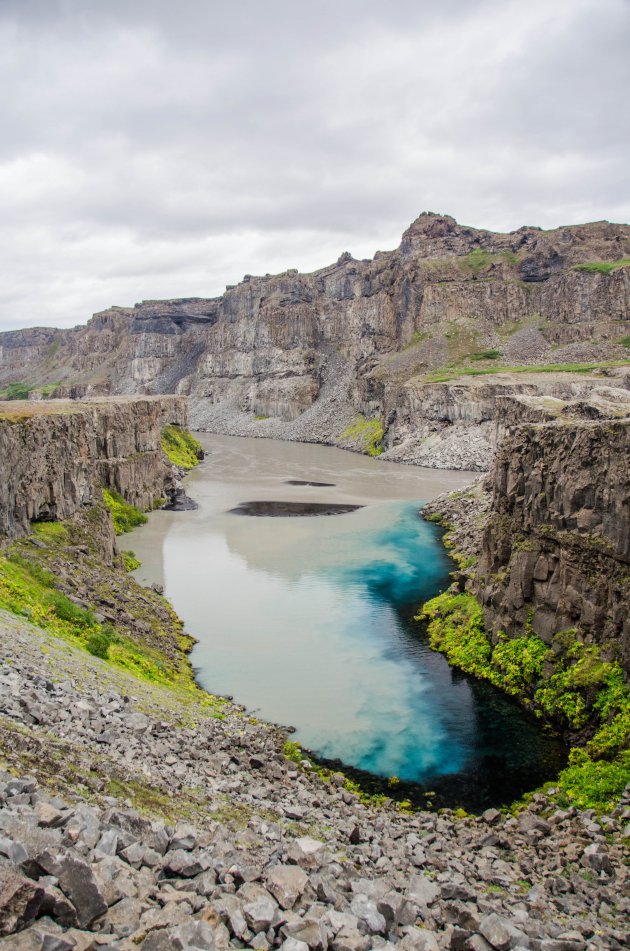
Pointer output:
137, 810
394, 340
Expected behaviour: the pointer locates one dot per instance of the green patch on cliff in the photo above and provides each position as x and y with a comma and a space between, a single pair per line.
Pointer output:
478, 260
602, 267
181, 447
22, 391
125, 516
443, 376
367, 432
582, 692
130, 560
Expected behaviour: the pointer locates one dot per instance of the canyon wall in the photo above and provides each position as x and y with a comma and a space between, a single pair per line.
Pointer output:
299, 355
56, 456
555, 553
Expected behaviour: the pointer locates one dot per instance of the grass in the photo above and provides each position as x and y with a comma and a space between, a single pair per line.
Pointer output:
583, 692
602, 267
181, 447
27, 590
442, 376
625, 341
478, 260
368, 432
125, 516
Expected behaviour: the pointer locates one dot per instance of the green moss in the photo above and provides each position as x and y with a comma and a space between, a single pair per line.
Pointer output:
625, 341
260, 416
603, 267
181, 447
125, 516
368, 432
583, 691
130, 560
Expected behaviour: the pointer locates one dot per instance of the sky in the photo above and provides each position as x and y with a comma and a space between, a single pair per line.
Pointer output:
154, 149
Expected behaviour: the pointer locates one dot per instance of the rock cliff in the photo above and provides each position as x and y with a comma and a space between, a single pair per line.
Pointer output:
56, 456
300, 355
555, 553
544, 539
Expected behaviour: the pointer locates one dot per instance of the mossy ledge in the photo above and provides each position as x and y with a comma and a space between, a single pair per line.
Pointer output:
569, 684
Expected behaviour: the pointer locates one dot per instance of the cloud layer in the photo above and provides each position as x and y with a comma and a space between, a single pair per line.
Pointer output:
153, 149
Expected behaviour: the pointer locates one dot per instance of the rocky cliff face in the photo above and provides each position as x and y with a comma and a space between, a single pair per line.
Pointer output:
363, 334
55, 457
555, 553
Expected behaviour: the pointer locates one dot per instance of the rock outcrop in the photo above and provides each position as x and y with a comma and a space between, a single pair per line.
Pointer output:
56, 456
544, 539
299, 355
556, 550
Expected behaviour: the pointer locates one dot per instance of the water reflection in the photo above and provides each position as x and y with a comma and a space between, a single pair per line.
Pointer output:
307, 620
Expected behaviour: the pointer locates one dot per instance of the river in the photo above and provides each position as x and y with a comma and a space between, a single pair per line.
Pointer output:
307, 621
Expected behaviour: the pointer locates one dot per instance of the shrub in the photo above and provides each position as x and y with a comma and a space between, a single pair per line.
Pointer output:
130, 560
18, 391
98, 644
181, 447
125, 516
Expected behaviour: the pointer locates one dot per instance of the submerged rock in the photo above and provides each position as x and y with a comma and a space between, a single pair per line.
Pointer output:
292, 509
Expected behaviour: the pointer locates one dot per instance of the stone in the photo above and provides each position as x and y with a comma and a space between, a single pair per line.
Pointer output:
261, 913
286, 883
77, 882
368, 914
20, 899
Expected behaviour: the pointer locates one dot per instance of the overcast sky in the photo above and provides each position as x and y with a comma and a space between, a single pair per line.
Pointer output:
163, 149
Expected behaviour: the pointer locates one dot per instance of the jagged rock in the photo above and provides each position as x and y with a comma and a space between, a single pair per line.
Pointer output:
20, 899
286, 883
77, 882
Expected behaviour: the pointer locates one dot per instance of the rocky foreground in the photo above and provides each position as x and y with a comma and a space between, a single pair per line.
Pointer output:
133, 815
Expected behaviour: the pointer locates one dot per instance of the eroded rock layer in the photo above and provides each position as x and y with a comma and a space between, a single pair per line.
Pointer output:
55, 457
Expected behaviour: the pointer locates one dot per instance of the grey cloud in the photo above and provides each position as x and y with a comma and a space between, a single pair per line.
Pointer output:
155, 149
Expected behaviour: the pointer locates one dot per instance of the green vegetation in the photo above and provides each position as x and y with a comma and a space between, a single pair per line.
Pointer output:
130, 560
625, 341
22, 391
603, 267
478, 260
17, 391
582, 692
260, 416
369, 432
485, 355
26, 589
442, 376
181, 447
125, 516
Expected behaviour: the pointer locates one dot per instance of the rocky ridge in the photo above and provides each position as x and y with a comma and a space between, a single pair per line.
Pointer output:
299, 356
130, 818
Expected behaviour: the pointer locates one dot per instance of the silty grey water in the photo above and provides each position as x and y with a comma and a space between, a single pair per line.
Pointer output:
307, 621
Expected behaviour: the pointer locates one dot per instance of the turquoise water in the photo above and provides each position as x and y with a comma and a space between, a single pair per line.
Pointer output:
308, 621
